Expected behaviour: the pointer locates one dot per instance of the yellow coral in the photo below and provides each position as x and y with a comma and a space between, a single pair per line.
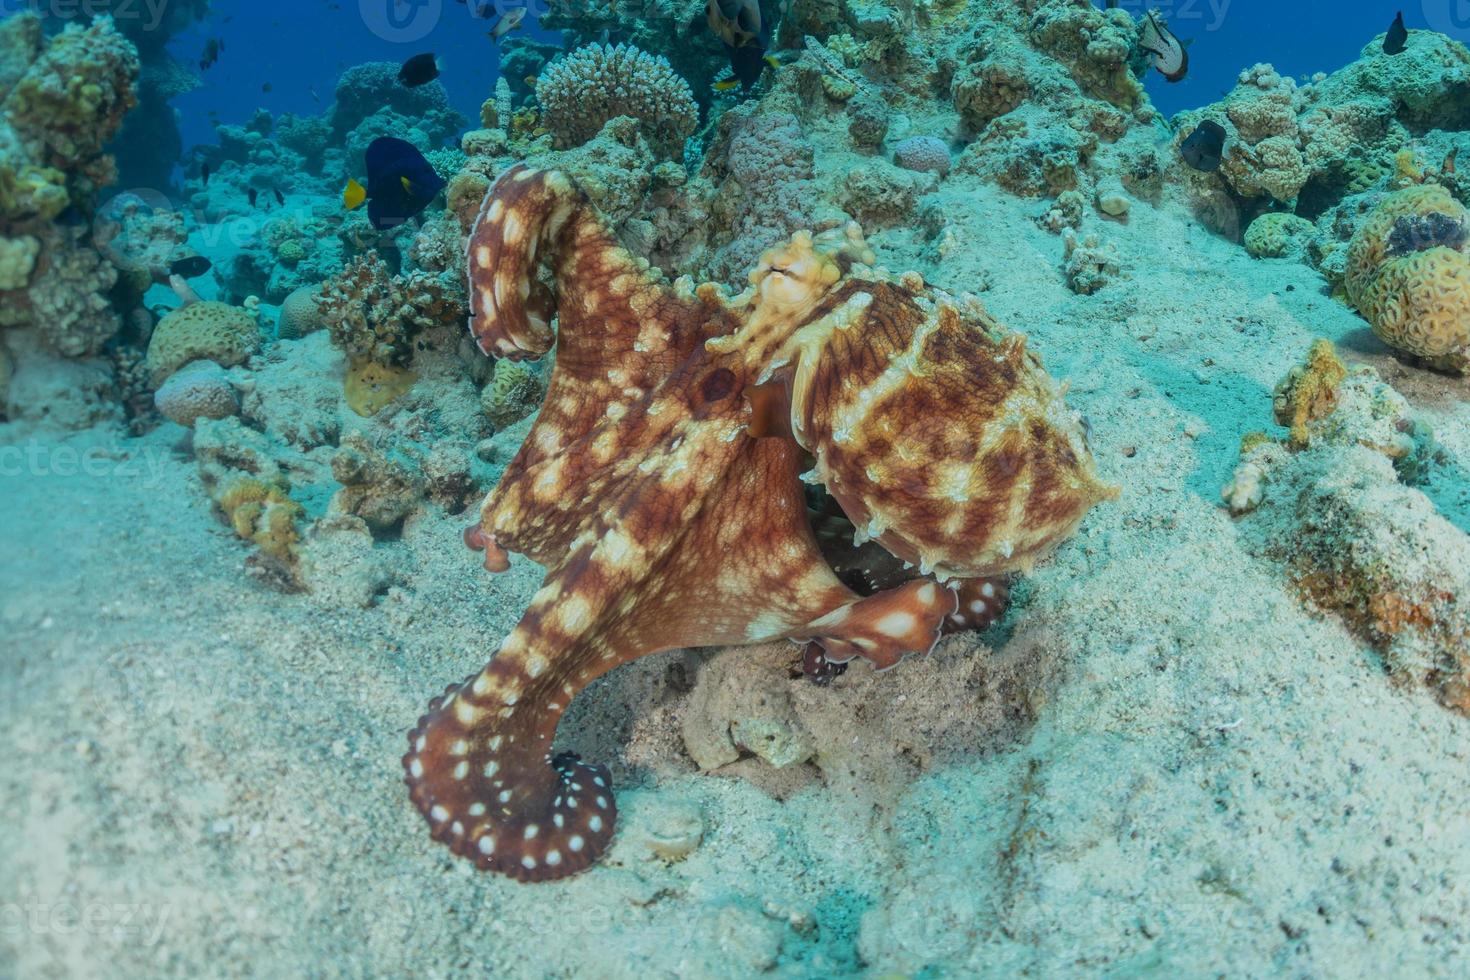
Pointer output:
1413, 289
218, 332
1308, 392
1405, 169
369, 386
261, 513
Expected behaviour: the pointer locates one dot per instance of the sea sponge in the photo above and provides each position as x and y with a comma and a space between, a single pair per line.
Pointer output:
369, 387
582, 91
262, 514
197, 390
927, 154
513, 393
1309, 391
1408, 273
1276, 234
213, 331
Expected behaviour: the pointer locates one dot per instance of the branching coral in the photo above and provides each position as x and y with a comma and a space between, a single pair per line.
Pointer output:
582, 91
375, 316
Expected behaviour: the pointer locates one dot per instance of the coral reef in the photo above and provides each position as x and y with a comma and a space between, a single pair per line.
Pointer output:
217, 332
1332, 136
924, 153
647, 458
1277, 234
374, 315
514, 392
1408, 273
582, 91
198, 390
1334, 506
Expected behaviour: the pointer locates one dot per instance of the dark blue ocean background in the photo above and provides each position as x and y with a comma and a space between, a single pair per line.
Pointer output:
300, 49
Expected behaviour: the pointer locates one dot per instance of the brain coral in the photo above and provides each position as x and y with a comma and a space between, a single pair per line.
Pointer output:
1275, 234
581, 92
195, 391
1408, 273
923, 153
212, 331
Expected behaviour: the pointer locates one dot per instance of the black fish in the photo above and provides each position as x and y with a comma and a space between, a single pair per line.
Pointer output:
1201, 149
194, 265
212, 49
419, 70
204, 174
1397, 36
279, 199
400, 183
251, 196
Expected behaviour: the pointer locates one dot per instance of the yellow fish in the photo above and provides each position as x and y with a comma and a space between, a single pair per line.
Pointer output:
353, 195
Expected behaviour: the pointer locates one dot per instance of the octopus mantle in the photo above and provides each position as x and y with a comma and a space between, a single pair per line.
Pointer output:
662, 488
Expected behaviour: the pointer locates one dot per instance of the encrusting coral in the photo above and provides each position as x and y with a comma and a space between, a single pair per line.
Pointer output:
1408, 273
1334, 504
672, 435
582, 91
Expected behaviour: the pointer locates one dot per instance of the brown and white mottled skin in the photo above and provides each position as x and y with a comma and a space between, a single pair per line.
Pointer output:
661, 487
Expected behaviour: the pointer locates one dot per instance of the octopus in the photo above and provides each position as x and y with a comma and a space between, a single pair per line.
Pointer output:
695, 461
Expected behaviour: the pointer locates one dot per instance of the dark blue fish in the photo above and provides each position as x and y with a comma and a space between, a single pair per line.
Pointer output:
400, 183
1397, 36
194, 265
1202, 148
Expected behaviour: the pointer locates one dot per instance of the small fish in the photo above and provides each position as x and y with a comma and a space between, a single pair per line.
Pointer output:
265, 87
251, 195
1448, 167
1397, 37
279, 199
1201, 149
1170, 58
204, 174
400, 183
419, 70
508, 22
191, 267
212, 50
